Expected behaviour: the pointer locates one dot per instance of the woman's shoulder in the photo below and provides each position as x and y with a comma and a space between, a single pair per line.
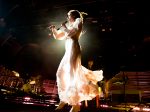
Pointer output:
77, 23
78, 20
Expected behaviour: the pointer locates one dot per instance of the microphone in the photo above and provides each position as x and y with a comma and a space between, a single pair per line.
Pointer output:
65, 22
57, 28
61, 26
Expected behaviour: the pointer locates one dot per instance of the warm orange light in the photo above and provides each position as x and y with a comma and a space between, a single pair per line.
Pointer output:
16, 73
32, 82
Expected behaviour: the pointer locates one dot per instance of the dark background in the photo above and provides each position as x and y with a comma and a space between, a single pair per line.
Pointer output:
25, 44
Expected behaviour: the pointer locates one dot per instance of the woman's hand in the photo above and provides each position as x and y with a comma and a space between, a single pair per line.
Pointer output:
52, 27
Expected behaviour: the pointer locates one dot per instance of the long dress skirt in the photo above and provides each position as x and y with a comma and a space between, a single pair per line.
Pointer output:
75, 82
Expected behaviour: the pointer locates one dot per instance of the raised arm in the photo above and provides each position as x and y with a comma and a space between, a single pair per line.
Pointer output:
58, 34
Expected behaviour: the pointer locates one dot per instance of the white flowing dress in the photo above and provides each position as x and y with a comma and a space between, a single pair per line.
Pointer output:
75, 82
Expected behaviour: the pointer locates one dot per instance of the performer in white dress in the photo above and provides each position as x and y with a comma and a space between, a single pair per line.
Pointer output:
75, 82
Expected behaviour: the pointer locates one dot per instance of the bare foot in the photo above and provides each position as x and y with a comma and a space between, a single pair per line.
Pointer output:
61, 105
75, 108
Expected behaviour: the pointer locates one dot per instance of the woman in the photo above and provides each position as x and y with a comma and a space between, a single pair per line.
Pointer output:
75, 82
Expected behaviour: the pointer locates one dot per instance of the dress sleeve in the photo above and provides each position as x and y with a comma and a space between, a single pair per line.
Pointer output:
75, 27
76, 23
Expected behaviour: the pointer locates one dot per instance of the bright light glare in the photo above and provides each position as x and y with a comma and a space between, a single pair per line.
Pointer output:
32, 82
105, 106
27, 98
146, 109
27, 103
16, 73
136, 108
